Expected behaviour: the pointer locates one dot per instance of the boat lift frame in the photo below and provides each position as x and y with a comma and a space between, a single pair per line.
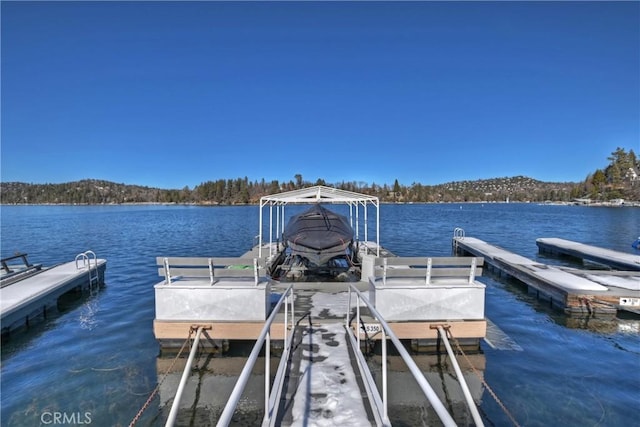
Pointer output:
318, 194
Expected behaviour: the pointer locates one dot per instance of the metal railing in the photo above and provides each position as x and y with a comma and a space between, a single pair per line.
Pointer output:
463, 384
271, 399
13, 272
173, 413
94, 278
380, 403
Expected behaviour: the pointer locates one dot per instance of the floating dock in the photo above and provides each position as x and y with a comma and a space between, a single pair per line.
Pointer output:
29, 299
323, 328
322, 374
614, 259
577, 292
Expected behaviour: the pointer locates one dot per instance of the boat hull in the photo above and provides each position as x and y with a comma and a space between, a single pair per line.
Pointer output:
318, 235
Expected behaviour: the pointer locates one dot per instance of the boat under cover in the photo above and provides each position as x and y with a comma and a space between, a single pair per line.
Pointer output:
318, 235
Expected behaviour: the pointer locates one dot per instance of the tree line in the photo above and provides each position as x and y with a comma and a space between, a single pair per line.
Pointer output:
619, 179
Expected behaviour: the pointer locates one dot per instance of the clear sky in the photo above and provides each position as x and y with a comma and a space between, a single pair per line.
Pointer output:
174, 94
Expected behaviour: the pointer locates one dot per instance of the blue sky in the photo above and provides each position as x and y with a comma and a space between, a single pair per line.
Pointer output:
175, 94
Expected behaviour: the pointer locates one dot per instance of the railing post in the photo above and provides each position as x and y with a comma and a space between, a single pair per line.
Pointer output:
185, 375
211, 270
384, 375
463, 384
256, 275
267, 370
293, 311
167, 272
384, 271
348, 309
286, 319
358, 320
472, 273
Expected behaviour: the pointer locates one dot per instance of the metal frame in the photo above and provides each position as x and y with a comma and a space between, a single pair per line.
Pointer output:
271, 399
317, 194
374, 395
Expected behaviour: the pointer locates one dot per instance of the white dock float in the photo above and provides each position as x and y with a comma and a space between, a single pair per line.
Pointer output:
611, 258
229, 296
29, 299
575, 293
428, 289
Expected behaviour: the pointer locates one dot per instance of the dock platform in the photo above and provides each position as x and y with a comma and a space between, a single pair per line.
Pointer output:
26, 301
322, 317
601, 294
608, 257
322, 374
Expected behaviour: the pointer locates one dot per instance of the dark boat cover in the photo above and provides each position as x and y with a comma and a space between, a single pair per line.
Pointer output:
318, 234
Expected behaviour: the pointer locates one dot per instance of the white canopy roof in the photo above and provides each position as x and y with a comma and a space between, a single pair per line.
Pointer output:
318, 194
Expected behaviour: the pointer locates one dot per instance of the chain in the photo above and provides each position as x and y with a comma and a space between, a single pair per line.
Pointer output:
155, 390
489, 389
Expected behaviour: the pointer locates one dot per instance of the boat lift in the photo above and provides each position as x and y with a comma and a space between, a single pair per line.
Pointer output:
318, 194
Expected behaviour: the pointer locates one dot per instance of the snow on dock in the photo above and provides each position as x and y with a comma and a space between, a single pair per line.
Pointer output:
327, 391
608, 257
575, 292
24, 301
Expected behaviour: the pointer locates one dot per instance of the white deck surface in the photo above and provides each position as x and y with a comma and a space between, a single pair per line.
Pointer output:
593, 253
31, 289
328, 394
556, 276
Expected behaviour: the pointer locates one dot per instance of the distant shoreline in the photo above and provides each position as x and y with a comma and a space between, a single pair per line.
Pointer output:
626, 204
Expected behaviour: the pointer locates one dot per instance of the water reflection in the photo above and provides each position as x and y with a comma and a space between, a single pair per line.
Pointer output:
213, 377
208, 389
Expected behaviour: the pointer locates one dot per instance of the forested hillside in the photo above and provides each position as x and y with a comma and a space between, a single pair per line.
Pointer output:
619, 180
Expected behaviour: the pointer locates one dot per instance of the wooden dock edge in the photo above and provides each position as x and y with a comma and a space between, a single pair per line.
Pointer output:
179, 330
428, 330
173, 330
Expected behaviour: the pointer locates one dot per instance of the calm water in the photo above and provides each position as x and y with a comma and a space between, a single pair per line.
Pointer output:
98, 356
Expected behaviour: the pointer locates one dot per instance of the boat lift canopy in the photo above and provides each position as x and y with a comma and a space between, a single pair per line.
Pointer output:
319, 194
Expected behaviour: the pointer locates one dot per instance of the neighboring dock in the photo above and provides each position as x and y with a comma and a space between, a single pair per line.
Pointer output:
608, 257
29, 299
576, 292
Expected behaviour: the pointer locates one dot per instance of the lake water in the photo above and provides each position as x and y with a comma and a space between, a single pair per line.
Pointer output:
95, 361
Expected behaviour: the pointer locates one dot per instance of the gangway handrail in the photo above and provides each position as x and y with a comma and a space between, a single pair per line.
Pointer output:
428, 391
463, 384
264, 339
173, 413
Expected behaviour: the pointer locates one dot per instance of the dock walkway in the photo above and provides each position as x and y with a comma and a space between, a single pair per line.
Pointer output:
24, 301
608, 257
575, 293
322, 384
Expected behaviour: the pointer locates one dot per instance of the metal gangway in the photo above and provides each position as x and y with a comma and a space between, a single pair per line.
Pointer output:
378, 399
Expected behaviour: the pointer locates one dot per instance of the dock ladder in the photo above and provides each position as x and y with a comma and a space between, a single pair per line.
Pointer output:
84, 260
458, 234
